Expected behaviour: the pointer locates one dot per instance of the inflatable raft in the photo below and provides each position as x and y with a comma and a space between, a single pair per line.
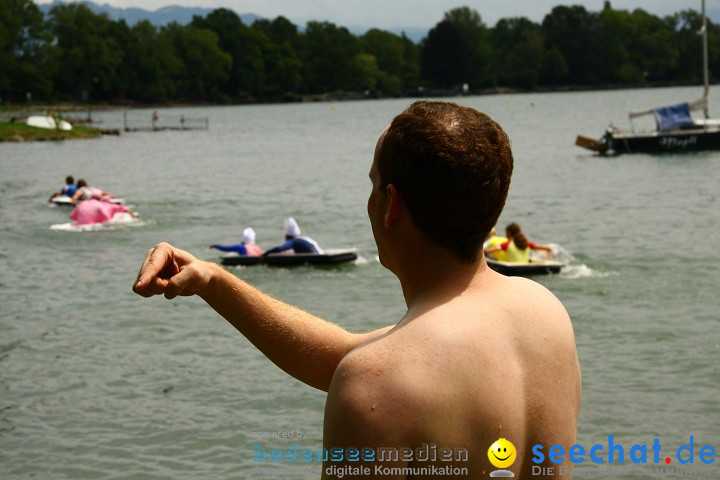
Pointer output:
535, 267
330, 257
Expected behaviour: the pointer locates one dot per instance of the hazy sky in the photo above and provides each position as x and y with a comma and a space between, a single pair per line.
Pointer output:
400, 13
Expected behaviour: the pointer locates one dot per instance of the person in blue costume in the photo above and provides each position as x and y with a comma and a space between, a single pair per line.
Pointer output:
246, 247
69, 188
293, 240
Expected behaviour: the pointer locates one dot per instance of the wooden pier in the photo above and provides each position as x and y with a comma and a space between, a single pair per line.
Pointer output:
159, 123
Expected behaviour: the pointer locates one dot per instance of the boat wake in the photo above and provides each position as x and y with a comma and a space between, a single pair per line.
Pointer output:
574, 268
120, 220
571, 272
360, 260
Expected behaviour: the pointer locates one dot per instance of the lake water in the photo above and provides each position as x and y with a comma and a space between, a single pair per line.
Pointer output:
96, 382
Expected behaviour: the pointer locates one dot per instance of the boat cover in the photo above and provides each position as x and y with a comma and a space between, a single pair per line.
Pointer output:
673, 116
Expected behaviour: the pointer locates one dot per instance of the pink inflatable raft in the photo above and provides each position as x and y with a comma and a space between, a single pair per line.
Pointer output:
94, 211
96, 214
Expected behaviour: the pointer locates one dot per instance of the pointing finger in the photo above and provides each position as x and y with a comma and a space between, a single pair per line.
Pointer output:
155, 262
138, 286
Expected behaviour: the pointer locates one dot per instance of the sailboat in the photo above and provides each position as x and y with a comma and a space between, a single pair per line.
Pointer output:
676, 129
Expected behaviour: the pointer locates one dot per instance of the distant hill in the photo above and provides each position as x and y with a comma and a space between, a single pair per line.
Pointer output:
163, 16
413, 33
184, 15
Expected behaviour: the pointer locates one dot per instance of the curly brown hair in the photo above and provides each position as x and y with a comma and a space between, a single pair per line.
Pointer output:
452, 164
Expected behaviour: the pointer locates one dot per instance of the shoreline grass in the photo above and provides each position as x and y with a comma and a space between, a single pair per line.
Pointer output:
19, 132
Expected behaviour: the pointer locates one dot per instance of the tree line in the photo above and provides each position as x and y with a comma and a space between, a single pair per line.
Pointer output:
73, 54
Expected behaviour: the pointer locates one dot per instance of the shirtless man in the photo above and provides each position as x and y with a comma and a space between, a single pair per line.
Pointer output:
477, 357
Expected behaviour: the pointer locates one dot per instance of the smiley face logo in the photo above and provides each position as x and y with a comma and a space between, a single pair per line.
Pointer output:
502, 453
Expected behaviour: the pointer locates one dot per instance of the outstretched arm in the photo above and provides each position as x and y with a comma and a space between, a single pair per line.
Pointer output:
76, 196
238, 248
281, 248
546, 248
55, 194
303, 345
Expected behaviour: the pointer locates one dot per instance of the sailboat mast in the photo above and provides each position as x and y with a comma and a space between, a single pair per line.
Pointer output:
706, 76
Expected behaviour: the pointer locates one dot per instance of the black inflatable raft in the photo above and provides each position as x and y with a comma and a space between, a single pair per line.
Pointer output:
330, 257
537, 267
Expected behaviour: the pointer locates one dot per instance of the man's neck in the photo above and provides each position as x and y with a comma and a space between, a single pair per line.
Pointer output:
432, 275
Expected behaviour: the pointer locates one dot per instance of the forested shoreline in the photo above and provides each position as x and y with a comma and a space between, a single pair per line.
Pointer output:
75, 55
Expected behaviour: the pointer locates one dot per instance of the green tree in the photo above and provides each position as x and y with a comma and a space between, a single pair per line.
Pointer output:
151, 63
25, 52
410, 75
553, 68
243, 44
519, 50
278, 30
205, 66
366, 74
480, 68
444, 56
652, 46
329, 57
615, 29
686, 25
396, 59
281, 61
575, 33
88, 52
283, 68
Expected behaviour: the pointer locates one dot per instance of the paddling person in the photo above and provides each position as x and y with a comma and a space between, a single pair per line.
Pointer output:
246, 247
94, 205
493, 240
517, 247
86, 192
476, 358
295, 241
68, 190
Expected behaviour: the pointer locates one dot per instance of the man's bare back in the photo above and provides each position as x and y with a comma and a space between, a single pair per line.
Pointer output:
496, 361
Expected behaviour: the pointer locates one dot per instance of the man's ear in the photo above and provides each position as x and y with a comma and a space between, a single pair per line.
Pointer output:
395, 205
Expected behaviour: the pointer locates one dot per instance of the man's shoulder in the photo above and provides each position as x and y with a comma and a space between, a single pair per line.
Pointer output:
525, 294
370, 368
367, 392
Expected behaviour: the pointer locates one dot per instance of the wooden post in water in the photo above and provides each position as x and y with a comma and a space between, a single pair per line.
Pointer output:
706, 76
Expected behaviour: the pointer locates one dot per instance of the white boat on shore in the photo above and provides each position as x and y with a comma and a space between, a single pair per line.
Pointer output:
48, 122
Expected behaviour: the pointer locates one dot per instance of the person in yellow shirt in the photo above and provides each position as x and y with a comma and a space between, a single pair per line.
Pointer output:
493, 240
517, 247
